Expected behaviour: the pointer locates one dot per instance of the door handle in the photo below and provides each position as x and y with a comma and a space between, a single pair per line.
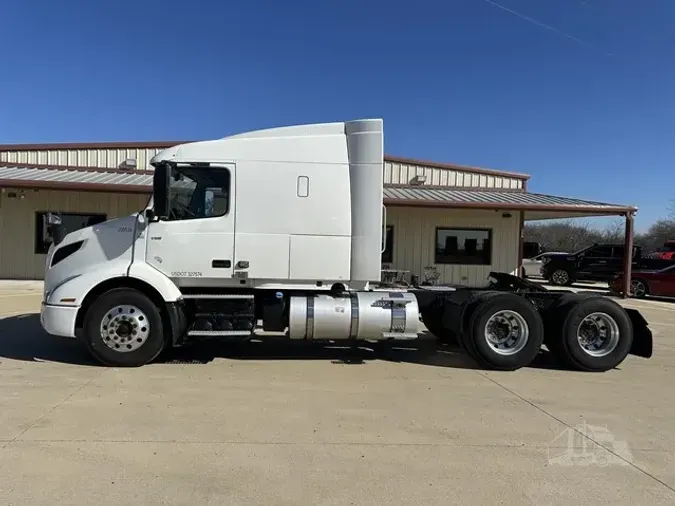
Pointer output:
242, 264
221, 264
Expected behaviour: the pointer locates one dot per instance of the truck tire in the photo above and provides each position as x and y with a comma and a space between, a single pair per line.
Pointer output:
591, 334
123, 328
554, 319
434, 323
561, 277
505, 332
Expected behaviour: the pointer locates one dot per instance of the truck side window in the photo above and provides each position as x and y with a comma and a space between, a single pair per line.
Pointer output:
199, 192
600, 252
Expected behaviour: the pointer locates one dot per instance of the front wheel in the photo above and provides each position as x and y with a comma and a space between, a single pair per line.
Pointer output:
123, 328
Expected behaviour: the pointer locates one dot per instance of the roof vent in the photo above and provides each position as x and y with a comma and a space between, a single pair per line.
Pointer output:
128, 164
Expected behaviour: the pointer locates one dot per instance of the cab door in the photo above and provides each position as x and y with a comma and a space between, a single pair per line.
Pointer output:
194, 245
596, 262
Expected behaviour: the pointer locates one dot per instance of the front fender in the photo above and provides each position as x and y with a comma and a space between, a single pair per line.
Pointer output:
73, 291
163, 284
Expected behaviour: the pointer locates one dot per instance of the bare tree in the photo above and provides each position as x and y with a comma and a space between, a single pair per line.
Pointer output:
571, 236
657, 234
563, 235
615, 232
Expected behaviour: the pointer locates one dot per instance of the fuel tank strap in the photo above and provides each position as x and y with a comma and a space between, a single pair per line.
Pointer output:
354, 326
310, 318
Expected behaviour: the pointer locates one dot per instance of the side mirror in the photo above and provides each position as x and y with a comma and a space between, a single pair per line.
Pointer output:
161, 185
53, 219
56, 228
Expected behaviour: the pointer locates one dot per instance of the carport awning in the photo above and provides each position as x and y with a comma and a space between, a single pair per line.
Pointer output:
534, 205
75, 178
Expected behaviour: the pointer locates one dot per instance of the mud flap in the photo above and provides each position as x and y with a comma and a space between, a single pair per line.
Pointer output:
643, 342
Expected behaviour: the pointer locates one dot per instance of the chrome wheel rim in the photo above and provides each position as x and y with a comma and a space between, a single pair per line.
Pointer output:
560, 277
598, 334
637, 288
507, 332
125, 328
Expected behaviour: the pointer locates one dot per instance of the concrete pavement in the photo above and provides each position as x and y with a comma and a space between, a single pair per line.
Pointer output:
279, 424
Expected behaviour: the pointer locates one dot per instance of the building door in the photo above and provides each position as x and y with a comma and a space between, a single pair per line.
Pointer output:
195, 245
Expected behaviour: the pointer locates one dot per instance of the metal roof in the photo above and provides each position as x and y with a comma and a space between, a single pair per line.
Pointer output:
138, 181
76, 178
491, 199
70, 146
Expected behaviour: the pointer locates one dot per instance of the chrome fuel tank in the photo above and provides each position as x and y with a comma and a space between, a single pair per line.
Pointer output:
368, 316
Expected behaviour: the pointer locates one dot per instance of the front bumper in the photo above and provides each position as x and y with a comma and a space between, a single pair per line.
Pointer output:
58, 320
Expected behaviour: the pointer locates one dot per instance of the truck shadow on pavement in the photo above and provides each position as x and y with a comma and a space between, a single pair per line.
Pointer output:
425, 351
22, 338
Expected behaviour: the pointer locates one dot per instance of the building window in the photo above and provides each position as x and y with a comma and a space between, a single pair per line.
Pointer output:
463, 246
70, 221
388, 254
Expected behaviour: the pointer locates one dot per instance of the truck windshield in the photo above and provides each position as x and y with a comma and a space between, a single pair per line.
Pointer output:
198, 192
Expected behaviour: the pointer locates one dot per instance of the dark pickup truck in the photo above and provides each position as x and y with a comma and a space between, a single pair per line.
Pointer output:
600, 262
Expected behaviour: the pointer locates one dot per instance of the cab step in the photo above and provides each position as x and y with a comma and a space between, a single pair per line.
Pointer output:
219, 333
231, 296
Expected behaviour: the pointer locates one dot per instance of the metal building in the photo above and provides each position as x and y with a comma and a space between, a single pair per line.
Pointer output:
449, 222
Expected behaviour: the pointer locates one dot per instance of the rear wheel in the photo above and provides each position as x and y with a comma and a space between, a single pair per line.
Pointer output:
505, 332
123, 328
560, 277
592, 334
639, 288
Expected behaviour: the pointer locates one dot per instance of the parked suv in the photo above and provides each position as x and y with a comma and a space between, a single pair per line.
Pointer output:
600, 262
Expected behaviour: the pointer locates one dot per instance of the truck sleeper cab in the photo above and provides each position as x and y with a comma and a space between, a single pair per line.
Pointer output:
279, 233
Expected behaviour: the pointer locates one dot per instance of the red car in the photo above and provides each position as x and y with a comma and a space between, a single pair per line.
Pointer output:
660, 283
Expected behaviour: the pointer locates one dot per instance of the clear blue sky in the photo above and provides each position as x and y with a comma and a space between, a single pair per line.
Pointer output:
589, 112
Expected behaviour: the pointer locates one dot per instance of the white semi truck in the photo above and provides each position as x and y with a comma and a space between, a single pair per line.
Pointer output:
279, 232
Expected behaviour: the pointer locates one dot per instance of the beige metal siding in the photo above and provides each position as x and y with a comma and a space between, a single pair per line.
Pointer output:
394, 172
17, 223
403, 173
414, 233
106, 158
415, 237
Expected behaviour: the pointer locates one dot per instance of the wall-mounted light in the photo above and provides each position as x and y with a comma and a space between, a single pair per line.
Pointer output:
16, 195
506, 215
419, 179
129, 164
